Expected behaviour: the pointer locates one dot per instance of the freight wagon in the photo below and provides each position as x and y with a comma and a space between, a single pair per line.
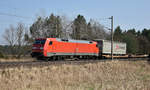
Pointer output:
119, 48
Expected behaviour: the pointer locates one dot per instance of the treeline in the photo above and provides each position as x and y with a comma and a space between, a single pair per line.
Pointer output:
19, 39
138, 42
60, 27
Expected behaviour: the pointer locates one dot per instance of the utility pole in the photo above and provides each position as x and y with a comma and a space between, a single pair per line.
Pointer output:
56, 34
111, 37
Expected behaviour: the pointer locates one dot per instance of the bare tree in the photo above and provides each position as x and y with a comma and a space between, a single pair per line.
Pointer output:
15, 38
20, 33
66, 27
98, 30
10, 37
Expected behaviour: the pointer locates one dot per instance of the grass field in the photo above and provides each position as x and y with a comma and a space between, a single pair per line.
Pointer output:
17, 60
110, 75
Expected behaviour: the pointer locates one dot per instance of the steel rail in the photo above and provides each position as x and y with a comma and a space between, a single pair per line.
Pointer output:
31, 64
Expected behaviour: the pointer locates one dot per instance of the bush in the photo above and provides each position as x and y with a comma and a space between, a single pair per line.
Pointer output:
1, 55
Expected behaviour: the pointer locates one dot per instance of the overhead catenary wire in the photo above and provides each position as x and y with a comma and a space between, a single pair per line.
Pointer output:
8, 14
17, 16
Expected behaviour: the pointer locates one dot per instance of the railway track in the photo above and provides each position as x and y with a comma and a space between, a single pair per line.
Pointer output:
30, 64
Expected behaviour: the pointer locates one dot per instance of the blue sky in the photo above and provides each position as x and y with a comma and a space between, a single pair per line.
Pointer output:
127, 13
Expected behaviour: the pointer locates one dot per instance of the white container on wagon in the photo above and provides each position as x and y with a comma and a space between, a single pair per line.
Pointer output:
119, 48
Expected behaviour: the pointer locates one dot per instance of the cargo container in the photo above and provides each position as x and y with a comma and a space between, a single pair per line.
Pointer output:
119, 48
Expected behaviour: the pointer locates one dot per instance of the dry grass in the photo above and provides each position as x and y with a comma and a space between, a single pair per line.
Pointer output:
110, 75
16, 60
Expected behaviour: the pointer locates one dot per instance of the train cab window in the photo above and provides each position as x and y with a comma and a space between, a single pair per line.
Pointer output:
50, 43
90, 42
96, 45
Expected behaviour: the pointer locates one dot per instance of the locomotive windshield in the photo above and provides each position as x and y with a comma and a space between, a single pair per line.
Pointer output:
39, 42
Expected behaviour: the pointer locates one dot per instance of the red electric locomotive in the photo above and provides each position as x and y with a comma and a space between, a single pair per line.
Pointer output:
56, 47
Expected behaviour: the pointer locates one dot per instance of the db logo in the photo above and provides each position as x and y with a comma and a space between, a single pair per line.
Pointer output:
117, 47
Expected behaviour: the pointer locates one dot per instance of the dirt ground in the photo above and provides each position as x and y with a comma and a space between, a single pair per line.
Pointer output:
109, 75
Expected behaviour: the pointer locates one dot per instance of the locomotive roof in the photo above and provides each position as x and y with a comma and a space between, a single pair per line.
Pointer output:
75, 41
68, 40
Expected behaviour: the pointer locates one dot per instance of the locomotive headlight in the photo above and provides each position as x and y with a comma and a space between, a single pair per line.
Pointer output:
41, 48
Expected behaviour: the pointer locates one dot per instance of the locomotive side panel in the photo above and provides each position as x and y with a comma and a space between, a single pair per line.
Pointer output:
71, 47
63, 48
87, 49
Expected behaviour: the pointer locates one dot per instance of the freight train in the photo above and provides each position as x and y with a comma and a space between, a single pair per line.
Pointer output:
56, 48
